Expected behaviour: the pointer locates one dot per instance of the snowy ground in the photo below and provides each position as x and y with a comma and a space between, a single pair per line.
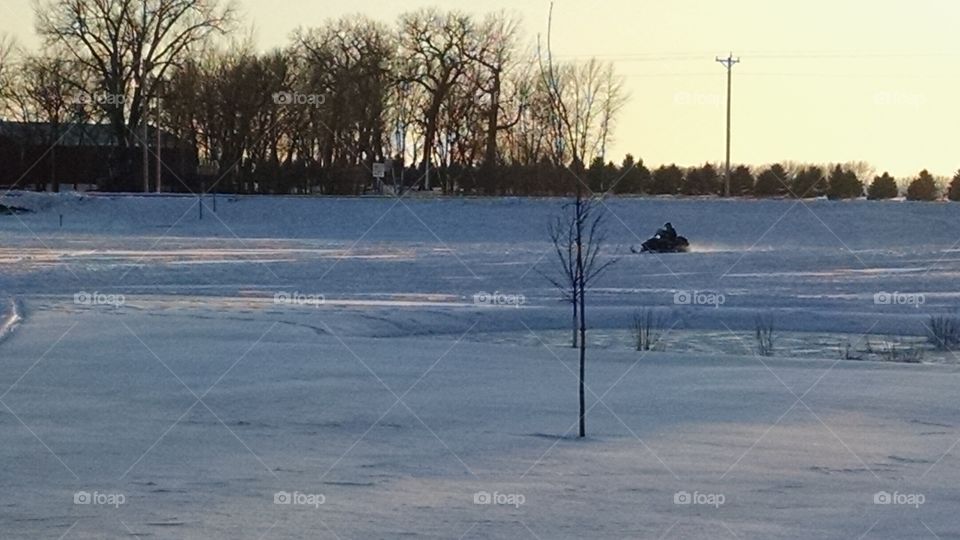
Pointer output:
146, 361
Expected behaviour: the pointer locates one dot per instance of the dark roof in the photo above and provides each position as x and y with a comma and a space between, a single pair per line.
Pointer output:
74, 134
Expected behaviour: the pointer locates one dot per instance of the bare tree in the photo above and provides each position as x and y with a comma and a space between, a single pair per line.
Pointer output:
647, 327
433, 55
130, 46
8, 51
579, 234
943, 332
437, 85
348, 61
552, 77
223, 103
765, 334
532, 137
613, 98
563, 237
48, 92
584, 100
401, 110
579, 237
494, 55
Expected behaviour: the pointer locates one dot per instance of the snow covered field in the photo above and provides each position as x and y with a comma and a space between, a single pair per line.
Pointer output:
320, 368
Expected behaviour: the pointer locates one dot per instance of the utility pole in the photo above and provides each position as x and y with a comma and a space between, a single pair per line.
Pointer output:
159, 145
144, 111
728, 62
146, 150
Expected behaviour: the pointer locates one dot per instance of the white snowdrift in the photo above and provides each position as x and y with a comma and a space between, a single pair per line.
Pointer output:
170, 376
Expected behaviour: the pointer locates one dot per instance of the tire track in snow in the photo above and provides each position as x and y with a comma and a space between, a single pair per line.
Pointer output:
11, 319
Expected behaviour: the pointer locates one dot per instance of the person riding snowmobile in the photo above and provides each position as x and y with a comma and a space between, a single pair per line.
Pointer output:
666, 240
667, 232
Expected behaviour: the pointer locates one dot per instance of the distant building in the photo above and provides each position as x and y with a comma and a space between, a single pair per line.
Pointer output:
84, 156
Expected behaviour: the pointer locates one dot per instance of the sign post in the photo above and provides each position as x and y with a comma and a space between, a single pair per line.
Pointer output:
206, 170
379, 171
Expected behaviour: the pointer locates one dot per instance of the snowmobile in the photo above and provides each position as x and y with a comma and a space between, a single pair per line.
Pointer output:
664, 243
658, 244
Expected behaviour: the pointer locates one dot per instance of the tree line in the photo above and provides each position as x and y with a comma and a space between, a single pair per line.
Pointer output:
457, 95
447, 100
791, 180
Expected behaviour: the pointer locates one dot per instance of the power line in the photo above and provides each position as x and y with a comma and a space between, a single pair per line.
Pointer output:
888, 75
799, 55
762, 55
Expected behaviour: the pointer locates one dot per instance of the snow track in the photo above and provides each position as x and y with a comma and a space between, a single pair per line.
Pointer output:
10, 318
213, 380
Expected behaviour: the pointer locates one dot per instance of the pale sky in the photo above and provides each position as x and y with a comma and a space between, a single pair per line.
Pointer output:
820, 80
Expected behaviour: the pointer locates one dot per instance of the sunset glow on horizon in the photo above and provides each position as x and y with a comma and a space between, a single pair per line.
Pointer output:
819, 81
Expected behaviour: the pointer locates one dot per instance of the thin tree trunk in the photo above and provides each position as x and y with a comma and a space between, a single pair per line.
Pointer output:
583, 358
583, 324
573, 327
493, 121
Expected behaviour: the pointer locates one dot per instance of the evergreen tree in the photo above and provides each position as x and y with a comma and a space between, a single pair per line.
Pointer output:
634, 177
954, 192
595, 175
923, 188
701, 181
809, 182
666, 180
883, 187
611, 173
844, 184
771, 182
741, 181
